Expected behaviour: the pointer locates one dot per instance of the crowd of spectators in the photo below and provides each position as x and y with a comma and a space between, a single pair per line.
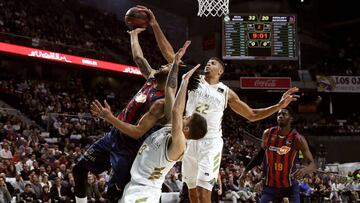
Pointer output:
71, 27
33, 166
344, 61
62, 110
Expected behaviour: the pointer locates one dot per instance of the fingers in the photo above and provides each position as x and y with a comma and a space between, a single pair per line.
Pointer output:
94, 113
141, 6
94, 106
106, 105
291, 91
139, 30
182, 50
190, 72
187, 75
291, 98
144, 9
98, 104
195, 68
294, 97
297, 174
187, 44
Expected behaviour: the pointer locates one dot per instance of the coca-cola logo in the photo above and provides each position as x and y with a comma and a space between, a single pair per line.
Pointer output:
265, 83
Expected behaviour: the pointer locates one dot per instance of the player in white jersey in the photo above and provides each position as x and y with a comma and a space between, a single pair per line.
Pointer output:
163, 148
202, 159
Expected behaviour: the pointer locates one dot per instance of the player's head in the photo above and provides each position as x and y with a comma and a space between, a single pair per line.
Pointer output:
284, 117
215, 67
161, 74
195, 127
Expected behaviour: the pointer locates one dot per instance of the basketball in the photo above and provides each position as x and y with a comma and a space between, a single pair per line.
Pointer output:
136, 19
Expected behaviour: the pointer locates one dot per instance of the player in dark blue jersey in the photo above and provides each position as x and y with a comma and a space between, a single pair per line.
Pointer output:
117, 150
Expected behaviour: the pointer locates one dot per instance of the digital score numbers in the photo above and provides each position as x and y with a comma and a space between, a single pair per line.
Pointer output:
259, 37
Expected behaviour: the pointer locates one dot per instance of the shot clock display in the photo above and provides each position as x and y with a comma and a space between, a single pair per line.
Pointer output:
259, 37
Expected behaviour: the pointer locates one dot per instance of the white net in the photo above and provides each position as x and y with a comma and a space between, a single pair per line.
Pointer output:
213, 7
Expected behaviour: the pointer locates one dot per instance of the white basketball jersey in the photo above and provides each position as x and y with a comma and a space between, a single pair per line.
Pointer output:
209, 101
152, 163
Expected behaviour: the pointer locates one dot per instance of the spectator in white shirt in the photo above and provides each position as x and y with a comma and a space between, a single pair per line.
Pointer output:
5, 152
334, 191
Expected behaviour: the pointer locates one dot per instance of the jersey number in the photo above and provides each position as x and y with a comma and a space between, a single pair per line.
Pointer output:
142, 148
202, 108
156, 174
278, 166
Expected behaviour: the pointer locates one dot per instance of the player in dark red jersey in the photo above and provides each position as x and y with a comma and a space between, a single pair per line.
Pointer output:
279, 153
117, 150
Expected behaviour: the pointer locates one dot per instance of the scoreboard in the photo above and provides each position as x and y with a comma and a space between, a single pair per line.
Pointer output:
259, 37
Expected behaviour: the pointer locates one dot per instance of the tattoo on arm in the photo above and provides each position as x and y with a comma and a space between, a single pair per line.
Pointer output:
144, 66
173, 75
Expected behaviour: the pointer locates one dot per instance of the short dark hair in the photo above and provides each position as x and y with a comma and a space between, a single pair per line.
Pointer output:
198, 127
218, 60
290, 111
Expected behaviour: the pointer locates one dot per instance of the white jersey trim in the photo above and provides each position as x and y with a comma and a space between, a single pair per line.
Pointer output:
166, 149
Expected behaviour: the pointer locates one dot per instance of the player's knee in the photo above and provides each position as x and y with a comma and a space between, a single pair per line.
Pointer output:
203, 185
204, 194
193, 195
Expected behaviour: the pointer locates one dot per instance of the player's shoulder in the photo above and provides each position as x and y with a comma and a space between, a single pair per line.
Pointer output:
267, 132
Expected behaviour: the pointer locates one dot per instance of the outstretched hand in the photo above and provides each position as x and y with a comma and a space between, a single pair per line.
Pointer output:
97, 109
150, 14
288, 97
136, 31
181, 52
188, 75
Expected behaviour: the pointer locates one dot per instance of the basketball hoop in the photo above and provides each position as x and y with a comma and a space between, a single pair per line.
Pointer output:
213, 7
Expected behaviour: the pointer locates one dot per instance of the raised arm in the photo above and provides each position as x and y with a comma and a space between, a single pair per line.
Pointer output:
172, 81
165, 47
251, 114
138, 55
147, 121
178, 143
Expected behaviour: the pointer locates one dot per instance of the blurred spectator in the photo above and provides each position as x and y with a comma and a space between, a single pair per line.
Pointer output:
5, 152
171, 182
9, 186
93, 193
102, 187
58, 192
45, 194
5, 196
35, 185
18, 184
27, 196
